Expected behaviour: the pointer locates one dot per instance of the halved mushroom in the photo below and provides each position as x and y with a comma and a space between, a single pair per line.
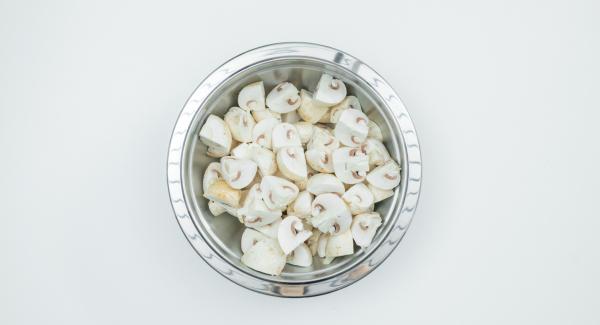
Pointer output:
291, 117
238, 172
265, 256
252, 97
375, 131
263, 130
319, 160
277, 192
220, 191
284, 98
329, 91
363, 228
324, 183
291, 234
340, 244
349, 164
301, 256
212, 173
302, 206
305, 131
349, 102
352, 128
292, 163
254, 212
330, 214
379, 194
323, 139
216, 135
271, 229
215, 208
250, 237
359, 198
386, 176
378, 154
310, 110
265, 114
284, 135
240, 124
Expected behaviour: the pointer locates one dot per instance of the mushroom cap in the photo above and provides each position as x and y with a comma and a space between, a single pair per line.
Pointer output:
265, 114
212, 173
285, 135
220, 191
250, 237
292, 163
240, 124
344, 163
329, 91
349, 102
319, 160
379, 194
291, 234
238, 172
340, 245
359, 198
277, 192
324, 183
252, 97
364, 227
310, 110
378, 154
270, 230
302, 206
323, 139
283, 98
330, 214
301, 256
255, 212
386, 176
216, 135
265, 256
374, 131
352, 128
263, 130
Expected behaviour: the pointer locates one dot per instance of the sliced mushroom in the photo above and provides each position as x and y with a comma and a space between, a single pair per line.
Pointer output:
292, 163
291, 117
386, 176
302, 206
349, 102
265, 256
310, 110
250, 237
305, 131
284, 98
352, 128
329, 91
284, 135
313, 242
265, 114
364, 227
255, 212
301, 256
323, 139
340, 244
291, 234
359, 198
330, 214
378, 154
240, 124
238, 172
271, 229
252, 97
212, 173
263, 130
220, 191
379, 194
216, 135
319, 160
324, 183
215, 208
349, 164
375, 131
277, 192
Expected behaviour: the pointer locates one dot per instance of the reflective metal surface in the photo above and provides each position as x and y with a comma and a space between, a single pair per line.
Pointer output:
217, 239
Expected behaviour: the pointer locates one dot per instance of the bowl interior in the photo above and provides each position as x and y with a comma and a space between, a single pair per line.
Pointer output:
223, 232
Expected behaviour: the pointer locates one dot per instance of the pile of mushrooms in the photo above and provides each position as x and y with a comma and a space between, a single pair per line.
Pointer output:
302, 171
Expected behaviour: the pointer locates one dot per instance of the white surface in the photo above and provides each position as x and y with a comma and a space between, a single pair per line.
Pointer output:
505, 97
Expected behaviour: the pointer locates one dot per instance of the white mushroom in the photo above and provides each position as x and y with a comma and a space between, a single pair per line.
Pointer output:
324, 183
310, 110
305, 131
255, 212
322, 244
252, 97
292, 163
352, 128
265, 114
263, 157
212, 173
359, 198
340, 245
379, 194
323, 139
302, 206
242, 151
216, 153
271, 229
265, 256
349, 102
319, 160
220, 191
215, 208
238, 172
327, 260
291, 234
386, 176
263, 130
329, 91
349, 164
283, 98
378, 154
277, 192
375, 131
284, 135
313, 241
363, 228
240, 124
301, 256
216, 135
291, 117
330, 214
250, 237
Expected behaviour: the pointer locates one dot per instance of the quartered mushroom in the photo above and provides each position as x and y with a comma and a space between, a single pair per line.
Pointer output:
327, 260
212, 173
252, 97
251, 237
329, 91
291, 234
322, 139
265, 256
291, 117
313, 241
255, 213
322, 244
330, 214
285, 135
340, 244
378, 154
350, 165
301, 256
216, 135
263, 130
215, 208
238, 172
349, 102
240, 124
284, 98
324, 183
319, 160
386, 176
364, 227
263, 157
302, 206
292, 163
277, 192
375, 131
265, 114
379, 194
271, 229
359, 198
220, 191
310, 110
305, 131
352, 128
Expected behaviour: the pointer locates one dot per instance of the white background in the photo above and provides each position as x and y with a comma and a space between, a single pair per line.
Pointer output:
504, 95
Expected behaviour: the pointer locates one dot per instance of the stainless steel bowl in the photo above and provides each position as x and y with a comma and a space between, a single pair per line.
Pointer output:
217, 239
